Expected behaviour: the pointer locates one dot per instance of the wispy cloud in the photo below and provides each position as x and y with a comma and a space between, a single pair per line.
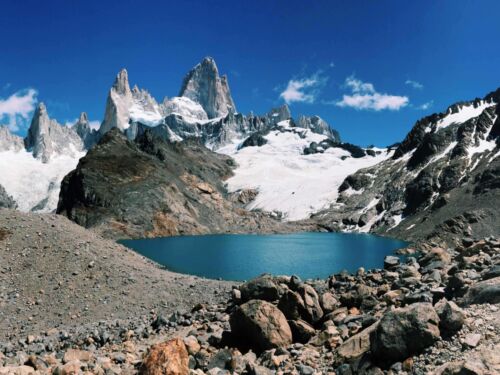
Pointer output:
414, 84
426, 105
365, 97
304, 89
17, 108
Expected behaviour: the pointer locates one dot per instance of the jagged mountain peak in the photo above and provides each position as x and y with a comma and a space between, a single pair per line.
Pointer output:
203, 85
83, 118
121, 84
47, 138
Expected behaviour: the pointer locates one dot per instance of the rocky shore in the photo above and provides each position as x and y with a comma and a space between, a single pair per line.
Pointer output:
433, 312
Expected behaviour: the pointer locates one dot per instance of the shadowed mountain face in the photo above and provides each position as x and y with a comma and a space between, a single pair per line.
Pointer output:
150, 187
442, 181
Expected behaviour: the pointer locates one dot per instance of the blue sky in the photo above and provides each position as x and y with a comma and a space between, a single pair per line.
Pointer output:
369, 68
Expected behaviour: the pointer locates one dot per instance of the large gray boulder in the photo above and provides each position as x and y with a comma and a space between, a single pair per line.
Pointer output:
262, 287
451, 317
404, 332
260, 325
487, 291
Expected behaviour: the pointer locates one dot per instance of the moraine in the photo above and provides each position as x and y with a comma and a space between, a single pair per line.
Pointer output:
242, 257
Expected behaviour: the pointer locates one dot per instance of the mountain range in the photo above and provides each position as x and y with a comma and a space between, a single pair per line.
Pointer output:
194, 164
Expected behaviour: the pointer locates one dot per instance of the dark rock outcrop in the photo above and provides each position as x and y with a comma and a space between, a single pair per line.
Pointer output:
151, 187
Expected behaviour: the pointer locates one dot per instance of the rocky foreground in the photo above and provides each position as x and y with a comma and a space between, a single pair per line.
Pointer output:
70, 309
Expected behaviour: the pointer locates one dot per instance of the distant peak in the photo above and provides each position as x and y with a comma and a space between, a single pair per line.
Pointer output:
83, 117
121, 84
41, 107
208, 60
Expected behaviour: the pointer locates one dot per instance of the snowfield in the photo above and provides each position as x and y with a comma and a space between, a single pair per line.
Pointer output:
289, 181
29, 181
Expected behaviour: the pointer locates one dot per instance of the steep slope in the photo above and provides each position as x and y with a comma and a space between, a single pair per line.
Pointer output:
150, 187
443, 179
32, 169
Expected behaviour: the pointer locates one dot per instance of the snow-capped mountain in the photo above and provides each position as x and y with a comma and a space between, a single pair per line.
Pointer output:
204, 110
445, 172
32, 169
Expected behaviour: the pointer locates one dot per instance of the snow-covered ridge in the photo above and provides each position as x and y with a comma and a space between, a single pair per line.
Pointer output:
289, 181
465, 113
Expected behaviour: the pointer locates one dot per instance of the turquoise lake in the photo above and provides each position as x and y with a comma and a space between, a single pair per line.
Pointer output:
242, 257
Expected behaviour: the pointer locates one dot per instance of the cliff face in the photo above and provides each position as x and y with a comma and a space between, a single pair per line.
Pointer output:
203, 85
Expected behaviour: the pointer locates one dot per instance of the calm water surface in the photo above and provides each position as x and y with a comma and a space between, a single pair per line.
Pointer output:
242, 257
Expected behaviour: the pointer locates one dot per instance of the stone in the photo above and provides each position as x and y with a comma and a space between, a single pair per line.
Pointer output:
404, 332
357, 345
487, 291
459, 368
17, 370
77, 355
301, 331
391, 262
260, 325
192, 345
262, 287
328, 302
292, 305
451, 317
471, 340
170, 357
313, 309
222, 360
70, 368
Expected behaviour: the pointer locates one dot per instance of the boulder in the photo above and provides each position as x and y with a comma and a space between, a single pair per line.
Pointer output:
262, 287
328, 302
487, 291
292, 305
260, 325
391, 262
451, 317
404, 332
301, 331
357, 345
313, 311
170, 357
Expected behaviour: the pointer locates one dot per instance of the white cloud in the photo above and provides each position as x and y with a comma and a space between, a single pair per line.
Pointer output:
358, 86
426, 105
364, 96
95, 124
303, 90
414, 84
17, 108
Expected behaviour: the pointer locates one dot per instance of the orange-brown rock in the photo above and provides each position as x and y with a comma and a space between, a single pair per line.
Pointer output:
167, 358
